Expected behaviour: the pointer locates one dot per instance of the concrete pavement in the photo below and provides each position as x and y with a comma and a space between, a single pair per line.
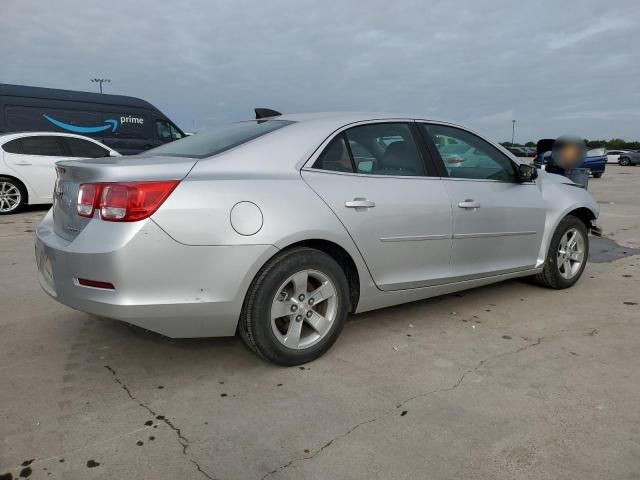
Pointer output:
505, 381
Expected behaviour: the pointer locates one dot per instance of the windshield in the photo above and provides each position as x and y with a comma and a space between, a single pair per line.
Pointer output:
212, 142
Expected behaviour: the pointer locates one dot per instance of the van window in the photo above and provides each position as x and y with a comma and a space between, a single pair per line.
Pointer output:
216, 141
42, 145
167, 132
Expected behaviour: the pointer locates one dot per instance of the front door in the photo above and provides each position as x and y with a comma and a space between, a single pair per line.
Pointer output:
376, 181
498, 222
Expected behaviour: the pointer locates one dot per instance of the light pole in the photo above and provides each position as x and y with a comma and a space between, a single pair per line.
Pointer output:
100, 81
513, 131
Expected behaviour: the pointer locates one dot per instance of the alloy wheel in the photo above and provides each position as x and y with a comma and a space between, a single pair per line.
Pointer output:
10, 197
570, 254
304, 309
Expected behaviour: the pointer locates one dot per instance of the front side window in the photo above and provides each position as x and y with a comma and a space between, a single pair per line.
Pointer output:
375, 149
213, 142
85, 149
175, 133
42, 145
466, 155
164, 132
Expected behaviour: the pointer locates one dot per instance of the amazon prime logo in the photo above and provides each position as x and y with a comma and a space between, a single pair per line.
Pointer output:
109, 124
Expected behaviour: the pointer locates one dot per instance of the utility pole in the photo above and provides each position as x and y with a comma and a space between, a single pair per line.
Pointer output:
513, 131
100, 81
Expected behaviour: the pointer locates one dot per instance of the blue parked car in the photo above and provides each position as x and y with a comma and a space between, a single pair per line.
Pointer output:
595, 161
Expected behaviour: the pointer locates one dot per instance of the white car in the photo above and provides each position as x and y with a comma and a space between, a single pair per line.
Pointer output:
27, 165
614, 155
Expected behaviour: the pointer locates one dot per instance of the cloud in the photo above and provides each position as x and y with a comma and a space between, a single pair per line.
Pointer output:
568, 39
477, 63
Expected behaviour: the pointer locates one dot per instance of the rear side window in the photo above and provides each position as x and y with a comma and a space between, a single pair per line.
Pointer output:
85, 149
14, 146
42, 145
212, 142
335, 157
375, 149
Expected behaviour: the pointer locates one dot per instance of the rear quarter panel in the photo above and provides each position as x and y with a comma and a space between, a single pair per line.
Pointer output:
198, 213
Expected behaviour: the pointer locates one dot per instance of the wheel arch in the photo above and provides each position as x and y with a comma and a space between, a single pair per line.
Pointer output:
584, 214
23, 184
340, 255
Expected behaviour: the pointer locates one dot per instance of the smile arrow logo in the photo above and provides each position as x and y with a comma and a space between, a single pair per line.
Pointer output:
111, 124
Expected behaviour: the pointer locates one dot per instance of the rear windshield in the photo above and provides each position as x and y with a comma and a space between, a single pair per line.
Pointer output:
216, 141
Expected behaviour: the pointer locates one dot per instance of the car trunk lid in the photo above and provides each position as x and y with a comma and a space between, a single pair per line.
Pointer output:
72, 173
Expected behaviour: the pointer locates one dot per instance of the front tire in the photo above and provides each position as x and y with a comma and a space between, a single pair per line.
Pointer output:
597, 175
624, 161
567, 255
296, 307
13, 196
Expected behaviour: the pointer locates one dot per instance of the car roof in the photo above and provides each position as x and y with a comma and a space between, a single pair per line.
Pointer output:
344, 118
5, 137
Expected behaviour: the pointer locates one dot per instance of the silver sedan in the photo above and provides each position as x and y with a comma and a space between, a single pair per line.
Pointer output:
278, 228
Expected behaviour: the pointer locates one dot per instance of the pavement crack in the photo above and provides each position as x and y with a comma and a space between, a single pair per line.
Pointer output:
400, 404
182, 440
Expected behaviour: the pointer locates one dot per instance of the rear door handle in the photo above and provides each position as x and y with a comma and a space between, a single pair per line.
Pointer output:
359, 203
22, 164
469, 203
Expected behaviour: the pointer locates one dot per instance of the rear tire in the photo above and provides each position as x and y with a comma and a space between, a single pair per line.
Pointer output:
296, 307
13, 196
597, 175
567, 255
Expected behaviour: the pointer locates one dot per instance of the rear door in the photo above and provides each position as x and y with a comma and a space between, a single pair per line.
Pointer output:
498, 222
377, 181
36, 163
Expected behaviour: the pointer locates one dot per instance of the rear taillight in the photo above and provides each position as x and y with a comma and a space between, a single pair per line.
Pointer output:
87, 199
123, 202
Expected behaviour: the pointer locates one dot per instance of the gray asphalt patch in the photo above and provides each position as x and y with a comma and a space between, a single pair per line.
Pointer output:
605, 250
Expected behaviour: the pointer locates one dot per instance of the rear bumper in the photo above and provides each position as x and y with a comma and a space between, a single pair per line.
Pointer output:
160, 284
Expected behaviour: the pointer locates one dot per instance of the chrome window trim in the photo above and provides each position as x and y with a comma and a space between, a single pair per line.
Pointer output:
368, 175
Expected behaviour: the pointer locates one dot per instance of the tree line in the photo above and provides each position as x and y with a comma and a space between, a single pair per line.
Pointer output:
613, 144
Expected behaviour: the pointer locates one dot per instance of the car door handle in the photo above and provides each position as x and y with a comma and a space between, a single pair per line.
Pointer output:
22, 164
469, 203
359, 203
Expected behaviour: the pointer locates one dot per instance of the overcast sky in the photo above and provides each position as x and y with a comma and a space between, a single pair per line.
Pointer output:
564, 66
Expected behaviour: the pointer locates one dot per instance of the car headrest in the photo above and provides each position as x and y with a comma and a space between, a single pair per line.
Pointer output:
398, 156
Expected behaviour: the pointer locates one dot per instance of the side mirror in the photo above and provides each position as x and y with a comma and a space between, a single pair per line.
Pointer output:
527, 173
114, 154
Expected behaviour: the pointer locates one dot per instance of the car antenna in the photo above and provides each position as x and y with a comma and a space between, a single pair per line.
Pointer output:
266, 113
